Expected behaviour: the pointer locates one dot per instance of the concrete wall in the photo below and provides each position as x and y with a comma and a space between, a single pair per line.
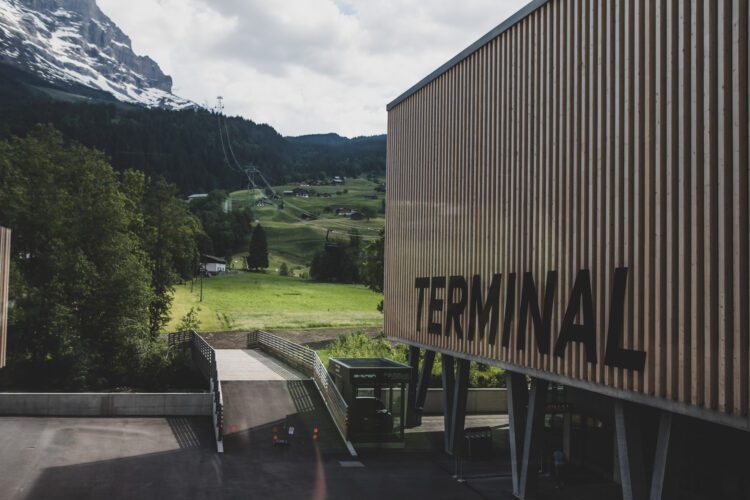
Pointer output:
106, 404
478, 401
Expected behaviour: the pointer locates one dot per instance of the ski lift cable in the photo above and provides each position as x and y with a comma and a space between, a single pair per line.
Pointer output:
335, 223
229, 143
341, 224
328, 230
219, 114
248, 173
338, 231
223, 147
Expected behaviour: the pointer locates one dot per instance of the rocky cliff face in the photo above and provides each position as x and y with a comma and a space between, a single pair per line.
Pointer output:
72, 41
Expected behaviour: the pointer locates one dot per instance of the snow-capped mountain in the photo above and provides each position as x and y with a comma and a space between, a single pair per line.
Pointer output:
73, 42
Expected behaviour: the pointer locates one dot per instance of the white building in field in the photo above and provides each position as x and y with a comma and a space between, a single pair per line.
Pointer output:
214, 265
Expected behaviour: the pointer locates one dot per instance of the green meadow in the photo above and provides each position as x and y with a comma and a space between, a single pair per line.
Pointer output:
248, 301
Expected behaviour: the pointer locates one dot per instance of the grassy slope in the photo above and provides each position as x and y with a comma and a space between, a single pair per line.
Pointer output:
248, 301
294, 241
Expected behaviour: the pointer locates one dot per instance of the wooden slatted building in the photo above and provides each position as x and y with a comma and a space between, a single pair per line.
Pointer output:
605, 141
4, 275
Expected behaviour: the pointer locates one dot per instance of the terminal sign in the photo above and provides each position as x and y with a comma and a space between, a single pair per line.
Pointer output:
464, 296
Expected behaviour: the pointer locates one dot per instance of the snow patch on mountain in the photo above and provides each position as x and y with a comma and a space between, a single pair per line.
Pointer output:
72, 41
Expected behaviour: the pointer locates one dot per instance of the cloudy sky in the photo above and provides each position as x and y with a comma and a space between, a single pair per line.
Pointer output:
304, 66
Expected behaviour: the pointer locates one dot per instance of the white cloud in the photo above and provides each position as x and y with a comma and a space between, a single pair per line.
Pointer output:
304, 66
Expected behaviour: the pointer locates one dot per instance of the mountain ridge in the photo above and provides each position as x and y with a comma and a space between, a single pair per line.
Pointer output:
72, 42
162, 136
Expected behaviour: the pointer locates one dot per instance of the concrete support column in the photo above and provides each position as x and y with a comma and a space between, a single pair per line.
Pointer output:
448, 374
412, 416
630, 451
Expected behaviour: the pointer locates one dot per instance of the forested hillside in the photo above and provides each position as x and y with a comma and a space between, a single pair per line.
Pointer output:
183, 146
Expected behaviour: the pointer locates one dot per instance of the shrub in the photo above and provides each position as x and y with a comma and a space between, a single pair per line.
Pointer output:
190, 321
360, 345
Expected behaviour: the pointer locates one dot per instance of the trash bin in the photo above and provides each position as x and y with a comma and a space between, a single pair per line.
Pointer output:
478, 442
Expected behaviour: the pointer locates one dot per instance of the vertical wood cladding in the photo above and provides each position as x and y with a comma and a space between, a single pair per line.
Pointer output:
4, 272
591, 135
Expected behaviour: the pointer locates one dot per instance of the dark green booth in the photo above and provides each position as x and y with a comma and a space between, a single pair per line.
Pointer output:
375, 391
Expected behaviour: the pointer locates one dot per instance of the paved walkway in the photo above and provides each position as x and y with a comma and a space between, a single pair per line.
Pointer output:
252, 364
127, 458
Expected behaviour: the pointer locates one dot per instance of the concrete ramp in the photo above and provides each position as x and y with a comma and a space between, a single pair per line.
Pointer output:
264, 397
252, 364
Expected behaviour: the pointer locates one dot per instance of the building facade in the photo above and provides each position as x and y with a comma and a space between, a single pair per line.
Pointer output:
568, 199
4, 275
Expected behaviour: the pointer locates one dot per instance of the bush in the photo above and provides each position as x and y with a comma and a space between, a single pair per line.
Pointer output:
190, 321
360, 345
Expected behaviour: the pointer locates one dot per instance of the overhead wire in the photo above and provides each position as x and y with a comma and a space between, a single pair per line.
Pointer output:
229, 143
333, 221
223, 148
338, 226
310, 214
348, 229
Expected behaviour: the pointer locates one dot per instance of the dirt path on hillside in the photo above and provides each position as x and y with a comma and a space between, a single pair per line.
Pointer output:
314, 338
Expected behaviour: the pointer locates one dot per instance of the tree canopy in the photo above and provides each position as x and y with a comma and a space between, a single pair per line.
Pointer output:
227, 232
373, 265
95, 256
81, 276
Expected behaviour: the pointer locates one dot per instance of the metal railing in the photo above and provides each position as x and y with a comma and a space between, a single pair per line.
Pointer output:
308, 362
204, 356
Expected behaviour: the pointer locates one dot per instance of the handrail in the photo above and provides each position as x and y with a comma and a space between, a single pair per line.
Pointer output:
308, 362
206, 362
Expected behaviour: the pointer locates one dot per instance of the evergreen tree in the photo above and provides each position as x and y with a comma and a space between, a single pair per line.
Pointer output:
334, 265
258, 256
373, 266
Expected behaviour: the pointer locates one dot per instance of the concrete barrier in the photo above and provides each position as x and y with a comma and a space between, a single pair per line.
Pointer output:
490, 400
105, 404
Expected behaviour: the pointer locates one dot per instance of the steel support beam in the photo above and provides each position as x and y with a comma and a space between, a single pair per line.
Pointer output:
526, 409
533, 434
518, 398
630, 451
458, 419
567, 425
424, 380
448, 383
667, 458
412, 416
